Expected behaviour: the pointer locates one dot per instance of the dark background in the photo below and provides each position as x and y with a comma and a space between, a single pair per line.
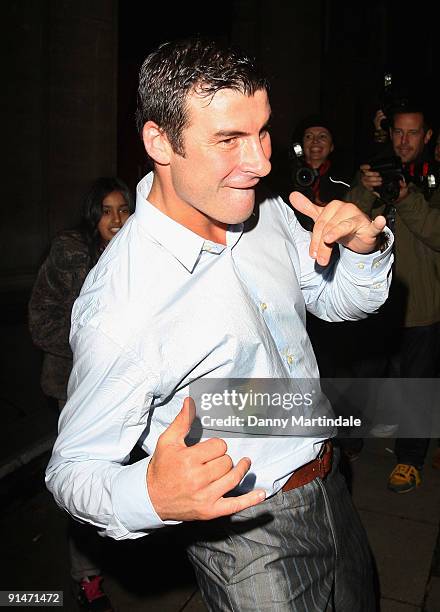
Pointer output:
70, 68
69, 72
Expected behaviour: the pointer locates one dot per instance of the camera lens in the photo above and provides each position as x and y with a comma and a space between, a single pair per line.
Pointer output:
305, 177
390, 190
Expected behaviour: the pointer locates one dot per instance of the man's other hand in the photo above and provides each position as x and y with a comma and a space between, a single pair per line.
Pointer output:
187, 483
378, 118
340, 222
403, 191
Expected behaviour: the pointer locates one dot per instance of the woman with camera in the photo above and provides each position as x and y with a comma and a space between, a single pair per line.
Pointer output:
318, 176
314, 170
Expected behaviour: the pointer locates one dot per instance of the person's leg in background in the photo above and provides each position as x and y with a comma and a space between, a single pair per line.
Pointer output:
419, 353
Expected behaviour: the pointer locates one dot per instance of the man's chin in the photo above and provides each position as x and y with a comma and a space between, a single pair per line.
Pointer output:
406, 157
243, 210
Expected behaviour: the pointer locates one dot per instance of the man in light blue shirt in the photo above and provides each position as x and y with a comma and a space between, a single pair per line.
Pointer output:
206, 281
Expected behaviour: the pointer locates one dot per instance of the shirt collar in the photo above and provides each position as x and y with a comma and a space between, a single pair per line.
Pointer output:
184, 244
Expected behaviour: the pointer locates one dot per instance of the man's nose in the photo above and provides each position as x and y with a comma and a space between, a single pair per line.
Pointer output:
405, 138
256, 157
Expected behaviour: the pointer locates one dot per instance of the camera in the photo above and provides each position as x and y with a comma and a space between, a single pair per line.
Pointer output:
303, 175
392, 172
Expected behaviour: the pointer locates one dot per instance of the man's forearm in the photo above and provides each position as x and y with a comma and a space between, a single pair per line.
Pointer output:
350, 288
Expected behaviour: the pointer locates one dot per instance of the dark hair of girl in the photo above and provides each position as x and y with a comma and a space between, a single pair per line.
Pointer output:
92, 211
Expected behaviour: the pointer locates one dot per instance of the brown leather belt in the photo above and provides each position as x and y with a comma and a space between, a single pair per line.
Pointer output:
318, 468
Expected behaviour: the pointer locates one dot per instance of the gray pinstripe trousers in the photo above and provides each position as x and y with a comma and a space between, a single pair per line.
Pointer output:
301, 551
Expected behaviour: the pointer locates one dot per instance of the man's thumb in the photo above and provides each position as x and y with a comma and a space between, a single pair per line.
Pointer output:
181, 425
379, 223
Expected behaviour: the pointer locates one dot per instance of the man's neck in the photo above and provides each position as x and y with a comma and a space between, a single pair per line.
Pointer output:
165, 200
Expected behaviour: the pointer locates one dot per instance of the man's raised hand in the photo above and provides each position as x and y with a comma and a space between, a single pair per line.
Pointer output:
187, 483
340, 222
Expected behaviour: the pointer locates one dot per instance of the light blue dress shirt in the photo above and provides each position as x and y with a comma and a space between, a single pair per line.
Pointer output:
164, 307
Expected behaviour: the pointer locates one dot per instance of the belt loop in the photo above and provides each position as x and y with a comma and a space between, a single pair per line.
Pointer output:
325, 449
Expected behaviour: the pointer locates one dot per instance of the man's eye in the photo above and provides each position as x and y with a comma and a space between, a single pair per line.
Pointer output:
106, 211
228, 142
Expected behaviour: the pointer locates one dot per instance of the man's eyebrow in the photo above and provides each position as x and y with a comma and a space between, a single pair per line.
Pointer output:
238, 133
229, 133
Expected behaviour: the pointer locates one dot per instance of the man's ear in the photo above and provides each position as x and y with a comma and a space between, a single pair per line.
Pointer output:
156, 143
427, 136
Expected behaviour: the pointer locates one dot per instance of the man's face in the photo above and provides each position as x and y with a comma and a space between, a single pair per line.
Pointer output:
226, 151
317, 145
408, 136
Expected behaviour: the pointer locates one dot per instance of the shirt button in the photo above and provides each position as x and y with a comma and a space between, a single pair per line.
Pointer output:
377, 285
263, 306
361, 266
376, 265
290, 359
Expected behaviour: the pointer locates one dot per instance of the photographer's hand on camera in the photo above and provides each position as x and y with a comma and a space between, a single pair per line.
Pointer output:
370, 179
378, 118
380, 135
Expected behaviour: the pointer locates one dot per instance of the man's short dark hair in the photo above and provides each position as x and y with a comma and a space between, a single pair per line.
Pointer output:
411, 109
176, 69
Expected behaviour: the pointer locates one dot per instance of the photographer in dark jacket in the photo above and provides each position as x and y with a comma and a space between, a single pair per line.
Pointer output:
413, 308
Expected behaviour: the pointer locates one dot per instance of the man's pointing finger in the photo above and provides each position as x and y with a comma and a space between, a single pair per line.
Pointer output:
304, 205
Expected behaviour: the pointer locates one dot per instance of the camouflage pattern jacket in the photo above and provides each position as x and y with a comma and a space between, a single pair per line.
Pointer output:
57, 286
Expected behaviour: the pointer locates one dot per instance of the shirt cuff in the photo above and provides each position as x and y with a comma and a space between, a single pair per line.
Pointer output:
366, 266
131, 502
